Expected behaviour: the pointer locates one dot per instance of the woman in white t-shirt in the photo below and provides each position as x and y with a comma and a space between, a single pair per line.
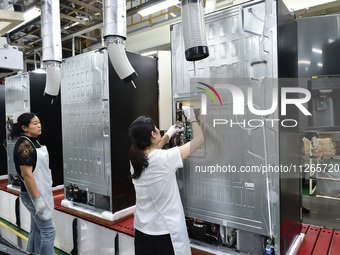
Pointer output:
159, 222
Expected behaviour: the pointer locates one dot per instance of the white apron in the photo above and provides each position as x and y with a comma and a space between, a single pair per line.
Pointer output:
175, 220
43, 178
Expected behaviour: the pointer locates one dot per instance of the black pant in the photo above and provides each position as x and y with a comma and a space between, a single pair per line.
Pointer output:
153, 245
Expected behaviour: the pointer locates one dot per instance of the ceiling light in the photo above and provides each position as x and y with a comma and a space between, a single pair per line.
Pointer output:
158, 7
149, 53
82, 17
317, 51
29, 15
304, 62
32, 14
40, 70
72, 25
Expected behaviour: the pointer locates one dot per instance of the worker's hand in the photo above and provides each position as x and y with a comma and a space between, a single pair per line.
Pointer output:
39, 205
173, 130
189, 113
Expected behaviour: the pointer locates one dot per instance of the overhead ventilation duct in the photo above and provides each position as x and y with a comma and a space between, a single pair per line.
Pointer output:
115, 35
210, 6
195, 41
51, 45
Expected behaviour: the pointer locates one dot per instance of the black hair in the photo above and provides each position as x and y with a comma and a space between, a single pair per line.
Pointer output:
23, 120
140, 132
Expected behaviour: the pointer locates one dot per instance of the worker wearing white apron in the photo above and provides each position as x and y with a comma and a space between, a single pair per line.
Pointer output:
159, 221
42, 175
36, 181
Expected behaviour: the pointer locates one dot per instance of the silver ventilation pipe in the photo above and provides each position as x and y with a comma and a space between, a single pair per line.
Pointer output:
195, 40
210, 6
114, 33
51, 45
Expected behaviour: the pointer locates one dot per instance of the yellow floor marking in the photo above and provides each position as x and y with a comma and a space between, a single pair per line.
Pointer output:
14, 231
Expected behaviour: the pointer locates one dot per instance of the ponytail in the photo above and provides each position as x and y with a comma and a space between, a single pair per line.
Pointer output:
15, 131
138, 160
140, 132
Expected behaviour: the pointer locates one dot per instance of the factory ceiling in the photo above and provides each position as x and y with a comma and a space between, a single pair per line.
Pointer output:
76, 18
81, 22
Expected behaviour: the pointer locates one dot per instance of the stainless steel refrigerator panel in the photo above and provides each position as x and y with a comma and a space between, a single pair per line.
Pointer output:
234, 198
86, 122
236, 51
237, 200
24, 93
17, 97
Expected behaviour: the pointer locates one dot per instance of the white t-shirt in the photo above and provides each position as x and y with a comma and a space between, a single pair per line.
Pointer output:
157, 192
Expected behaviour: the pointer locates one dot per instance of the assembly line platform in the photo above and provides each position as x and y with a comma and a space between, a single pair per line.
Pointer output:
317, 240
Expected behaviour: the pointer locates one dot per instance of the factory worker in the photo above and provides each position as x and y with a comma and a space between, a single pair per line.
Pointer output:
159, 221
32, 165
